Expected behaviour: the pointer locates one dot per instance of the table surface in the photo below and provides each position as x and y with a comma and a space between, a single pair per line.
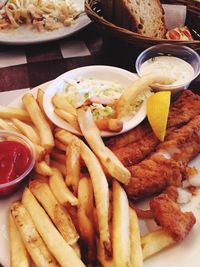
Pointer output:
24, 67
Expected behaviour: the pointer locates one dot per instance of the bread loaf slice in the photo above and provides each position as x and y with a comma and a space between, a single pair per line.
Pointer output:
142, 16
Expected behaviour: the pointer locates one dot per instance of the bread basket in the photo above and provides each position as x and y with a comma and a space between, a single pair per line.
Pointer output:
94, 11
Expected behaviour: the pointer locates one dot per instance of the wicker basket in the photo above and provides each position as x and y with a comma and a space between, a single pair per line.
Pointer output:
93, 10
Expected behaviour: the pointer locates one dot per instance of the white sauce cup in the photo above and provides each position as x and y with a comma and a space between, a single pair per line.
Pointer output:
179, 51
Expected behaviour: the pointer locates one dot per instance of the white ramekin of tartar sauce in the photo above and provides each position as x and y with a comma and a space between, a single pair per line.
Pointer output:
181, 63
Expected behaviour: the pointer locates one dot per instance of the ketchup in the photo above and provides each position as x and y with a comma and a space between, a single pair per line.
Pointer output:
15, 158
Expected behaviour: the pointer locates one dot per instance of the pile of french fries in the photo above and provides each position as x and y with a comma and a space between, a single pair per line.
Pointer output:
74, 210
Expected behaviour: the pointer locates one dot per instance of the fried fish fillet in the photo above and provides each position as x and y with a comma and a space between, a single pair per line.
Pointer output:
167, 166
137, 144
168, 215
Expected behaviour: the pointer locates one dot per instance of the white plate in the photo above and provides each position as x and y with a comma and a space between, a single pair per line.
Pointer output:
107, 73
184, 254
24, 35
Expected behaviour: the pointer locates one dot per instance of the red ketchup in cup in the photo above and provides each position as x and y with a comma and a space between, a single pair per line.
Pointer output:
16, 160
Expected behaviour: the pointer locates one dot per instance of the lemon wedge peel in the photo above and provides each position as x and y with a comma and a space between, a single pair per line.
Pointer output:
158, 111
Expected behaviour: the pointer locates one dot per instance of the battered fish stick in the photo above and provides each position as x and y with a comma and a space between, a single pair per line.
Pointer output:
167, 166
139, 143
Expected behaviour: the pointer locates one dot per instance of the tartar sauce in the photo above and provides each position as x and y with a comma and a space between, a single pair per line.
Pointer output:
177, 68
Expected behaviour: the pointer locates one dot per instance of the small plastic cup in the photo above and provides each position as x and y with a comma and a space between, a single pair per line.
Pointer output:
10, 187
182, 52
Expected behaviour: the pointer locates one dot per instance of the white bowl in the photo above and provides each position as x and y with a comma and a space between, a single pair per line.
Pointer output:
101, 72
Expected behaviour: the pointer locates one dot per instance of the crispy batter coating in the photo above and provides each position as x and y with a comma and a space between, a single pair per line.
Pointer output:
139, 143
182, 110
169, 216
152, 176
183, 144
167, 166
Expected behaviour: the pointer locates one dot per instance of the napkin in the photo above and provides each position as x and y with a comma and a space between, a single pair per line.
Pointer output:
175, 15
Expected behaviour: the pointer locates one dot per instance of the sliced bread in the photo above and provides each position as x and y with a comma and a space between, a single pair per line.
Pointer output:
142, 16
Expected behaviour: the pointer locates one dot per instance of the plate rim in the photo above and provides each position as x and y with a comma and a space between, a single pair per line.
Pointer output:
85, 21
48, 107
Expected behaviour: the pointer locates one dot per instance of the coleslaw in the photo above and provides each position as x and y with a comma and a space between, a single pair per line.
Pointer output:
101, 95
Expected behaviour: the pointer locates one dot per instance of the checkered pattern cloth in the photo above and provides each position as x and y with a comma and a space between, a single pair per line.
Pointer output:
24, 67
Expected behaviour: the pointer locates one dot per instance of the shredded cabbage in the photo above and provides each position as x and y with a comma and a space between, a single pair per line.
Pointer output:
82, 89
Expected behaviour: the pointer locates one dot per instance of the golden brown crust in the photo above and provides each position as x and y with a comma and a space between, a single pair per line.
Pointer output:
169, 216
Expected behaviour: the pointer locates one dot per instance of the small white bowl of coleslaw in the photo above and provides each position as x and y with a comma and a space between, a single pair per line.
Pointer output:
100, 85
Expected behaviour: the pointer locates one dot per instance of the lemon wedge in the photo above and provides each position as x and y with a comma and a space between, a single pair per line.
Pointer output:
157, 112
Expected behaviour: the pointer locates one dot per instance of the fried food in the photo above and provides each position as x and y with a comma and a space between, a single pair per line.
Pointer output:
108, 159
85, 219
136, 257
39, 121
154, 242
18, 254
120, 227
167, 165
152, 176
59, 248
106, 124
30, 236
73, 165
127, 99
41, 190
137, 144
169, 216
18, 113
60, 190
43, 168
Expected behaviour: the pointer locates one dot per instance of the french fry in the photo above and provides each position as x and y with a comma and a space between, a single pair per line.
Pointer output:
18, 254
68, 117
85, 218
4, 125
60, 146
60, 190
43, 168
40, 152
73, 164
31, 238
108, 159
127, 99
39, 121
120, 227
154, 242
106, 124
41, 190
47, 159
10, 112
103, 259
40, 95
60, 166
27, 130
58, 156
77, 249
64, 136
136, 258
64, 254
60, 102
101, 194
100, 187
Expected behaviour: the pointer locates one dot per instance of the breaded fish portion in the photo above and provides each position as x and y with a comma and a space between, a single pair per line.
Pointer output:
152, 176
137, 144
183, 109
167, 165
168, 215
183, 144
